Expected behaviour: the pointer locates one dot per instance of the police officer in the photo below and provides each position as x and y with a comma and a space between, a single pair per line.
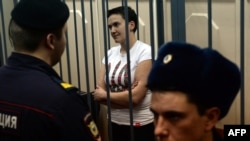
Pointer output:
192, 88
35, 104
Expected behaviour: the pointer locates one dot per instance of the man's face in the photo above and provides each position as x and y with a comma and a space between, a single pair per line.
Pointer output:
176, 119
60, 45
116, 25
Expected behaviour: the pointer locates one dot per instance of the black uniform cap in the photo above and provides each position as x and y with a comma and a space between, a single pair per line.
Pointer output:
40, 14
201, 73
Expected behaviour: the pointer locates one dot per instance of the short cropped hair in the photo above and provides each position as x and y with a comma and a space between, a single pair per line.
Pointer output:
28, 39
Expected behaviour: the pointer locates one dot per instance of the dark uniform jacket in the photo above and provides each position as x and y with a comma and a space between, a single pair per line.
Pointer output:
36, 105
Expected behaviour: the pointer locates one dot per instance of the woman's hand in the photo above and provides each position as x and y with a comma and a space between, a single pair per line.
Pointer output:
99, 94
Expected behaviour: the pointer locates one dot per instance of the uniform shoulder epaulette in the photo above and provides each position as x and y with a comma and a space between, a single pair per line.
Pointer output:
65, 85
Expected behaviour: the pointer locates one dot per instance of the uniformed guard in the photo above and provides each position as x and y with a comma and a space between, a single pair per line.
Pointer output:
35, 103
192, 88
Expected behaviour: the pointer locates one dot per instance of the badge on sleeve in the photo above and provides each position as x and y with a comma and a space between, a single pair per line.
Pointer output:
88, 120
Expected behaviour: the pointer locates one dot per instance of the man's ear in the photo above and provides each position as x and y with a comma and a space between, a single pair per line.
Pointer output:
212, 117
131, 26
50, 41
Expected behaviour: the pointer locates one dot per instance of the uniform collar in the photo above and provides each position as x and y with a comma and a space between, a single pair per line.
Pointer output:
31, 62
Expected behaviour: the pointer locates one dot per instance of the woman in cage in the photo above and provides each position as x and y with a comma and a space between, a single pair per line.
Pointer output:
119, 84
